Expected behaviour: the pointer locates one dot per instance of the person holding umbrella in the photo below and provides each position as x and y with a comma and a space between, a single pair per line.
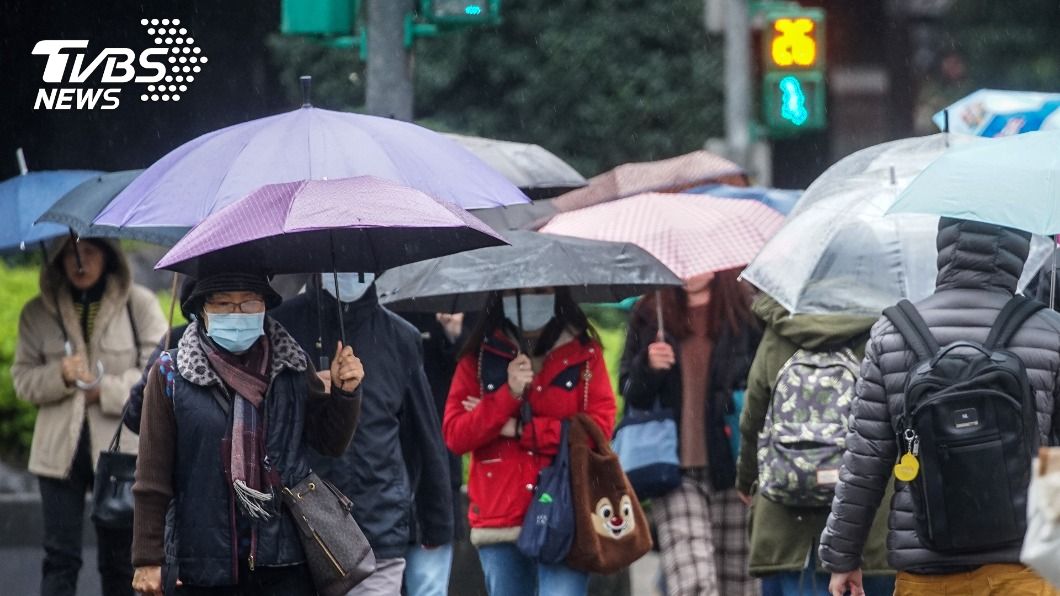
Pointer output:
227, 422
81, 344
689, 349
533, 347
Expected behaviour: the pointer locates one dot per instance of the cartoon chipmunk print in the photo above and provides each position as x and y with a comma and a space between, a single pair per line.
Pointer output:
611, 522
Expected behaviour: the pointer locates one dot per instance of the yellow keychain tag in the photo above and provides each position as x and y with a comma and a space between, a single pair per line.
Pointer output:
907, 468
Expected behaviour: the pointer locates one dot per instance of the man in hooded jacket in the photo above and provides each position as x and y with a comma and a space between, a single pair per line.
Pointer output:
396, 470
979, 267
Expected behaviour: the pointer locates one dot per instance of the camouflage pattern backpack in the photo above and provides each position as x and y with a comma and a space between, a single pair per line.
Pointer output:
802, 442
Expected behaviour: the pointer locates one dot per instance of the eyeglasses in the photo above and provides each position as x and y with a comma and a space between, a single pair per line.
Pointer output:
248, 307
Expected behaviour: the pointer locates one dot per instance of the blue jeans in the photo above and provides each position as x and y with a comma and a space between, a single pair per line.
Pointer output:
427, 570
510, 573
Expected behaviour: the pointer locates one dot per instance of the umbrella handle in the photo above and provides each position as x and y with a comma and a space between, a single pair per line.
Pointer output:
519, 317
661, 335
172, 307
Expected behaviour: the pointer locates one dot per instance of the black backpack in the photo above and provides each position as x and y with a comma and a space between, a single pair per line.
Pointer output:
970, 420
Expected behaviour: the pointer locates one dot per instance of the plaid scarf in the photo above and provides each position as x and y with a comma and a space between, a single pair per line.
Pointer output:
247, 375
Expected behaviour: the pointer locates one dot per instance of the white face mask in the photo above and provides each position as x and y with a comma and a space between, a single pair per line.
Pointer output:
538, 310
350, 287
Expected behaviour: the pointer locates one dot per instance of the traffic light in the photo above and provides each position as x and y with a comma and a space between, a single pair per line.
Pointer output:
461, 12
793, 83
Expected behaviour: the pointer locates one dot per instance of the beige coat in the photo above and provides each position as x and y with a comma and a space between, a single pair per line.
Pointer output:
37, 371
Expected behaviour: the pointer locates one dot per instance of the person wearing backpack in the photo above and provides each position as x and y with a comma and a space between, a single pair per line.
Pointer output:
954, 423
809, 362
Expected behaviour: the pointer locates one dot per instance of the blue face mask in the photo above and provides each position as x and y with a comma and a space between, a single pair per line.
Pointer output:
350, 288
235, 332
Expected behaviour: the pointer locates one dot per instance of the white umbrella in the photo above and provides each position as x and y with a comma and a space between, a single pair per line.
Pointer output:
839, 252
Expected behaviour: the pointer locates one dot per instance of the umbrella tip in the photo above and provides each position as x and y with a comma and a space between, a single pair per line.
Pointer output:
307, 83
20, 156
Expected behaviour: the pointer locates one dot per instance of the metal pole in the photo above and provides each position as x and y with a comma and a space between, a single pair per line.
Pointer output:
738, 80
389, 91
21, 157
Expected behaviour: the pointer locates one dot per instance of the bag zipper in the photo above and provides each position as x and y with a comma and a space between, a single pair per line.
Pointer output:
950, 395
327, 551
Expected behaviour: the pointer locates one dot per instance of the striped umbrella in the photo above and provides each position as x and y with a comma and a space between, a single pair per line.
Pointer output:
692, 235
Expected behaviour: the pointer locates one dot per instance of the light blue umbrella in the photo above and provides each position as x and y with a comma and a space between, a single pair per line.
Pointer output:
24, 198
1011, 181
997, 113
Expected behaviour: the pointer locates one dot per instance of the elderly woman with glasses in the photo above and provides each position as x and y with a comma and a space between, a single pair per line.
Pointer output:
227, 421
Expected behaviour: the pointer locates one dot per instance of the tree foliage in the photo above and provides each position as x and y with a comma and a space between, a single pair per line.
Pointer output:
598, 82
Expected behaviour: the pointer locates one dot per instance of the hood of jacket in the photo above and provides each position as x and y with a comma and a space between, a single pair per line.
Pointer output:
810, 331
53, 281
980, 256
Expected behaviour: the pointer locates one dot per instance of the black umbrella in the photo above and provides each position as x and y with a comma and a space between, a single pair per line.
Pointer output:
77, 208
594, 271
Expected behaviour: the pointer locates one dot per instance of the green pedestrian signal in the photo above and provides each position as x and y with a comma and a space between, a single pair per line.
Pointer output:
793, 82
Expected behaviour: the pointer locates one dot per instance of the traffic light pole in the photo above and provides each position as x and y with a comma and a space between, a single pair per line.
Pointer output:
388, 90
738, 99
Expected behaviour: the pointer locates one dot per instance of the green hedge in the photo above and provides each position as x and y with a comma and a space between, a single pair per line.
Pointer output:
17, 285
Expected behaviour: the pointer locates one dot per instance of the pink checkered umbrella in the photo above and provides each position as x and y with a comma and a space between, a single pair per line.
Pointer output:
690, 234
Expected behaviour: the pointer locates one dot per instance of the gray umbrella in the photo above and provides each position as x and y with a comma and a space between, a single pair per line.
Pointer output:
77, 208
535, 170
594, 271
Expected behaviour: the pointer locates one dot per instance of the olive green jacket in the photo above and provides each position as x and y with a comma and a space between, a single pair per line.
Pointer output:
782, 537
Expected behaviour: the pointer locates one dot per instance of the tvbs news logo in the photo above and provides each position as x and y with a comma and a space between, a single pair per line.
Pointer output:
76, 80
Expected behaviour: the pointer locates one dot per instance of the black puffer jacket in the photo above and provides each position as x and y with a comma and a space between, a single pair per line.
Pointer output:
979, 266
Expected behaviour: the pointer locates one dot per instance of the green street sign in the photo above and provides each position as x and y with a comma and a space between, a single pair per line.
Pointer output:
457, 13
319, 17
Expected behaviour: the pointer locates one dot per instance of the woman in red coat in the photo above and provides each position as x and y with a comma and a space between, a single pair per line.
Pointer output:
562, 373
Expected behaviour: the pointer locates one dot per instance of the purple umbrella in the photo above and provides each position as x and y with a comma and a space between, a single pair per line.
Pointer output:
209, 172
360, 224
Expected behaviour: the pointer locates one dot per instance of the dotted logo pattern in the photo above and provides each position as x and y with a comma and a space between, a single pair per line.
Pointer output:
184, 60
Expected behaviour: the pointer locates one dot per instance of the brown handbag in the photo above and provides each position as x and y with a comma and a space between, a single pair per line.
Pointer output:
336, 551
611, 530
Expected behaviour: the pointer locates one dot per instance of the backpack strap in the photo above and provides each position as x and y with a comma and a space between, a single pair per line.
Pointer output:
911, 326
1010, 319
